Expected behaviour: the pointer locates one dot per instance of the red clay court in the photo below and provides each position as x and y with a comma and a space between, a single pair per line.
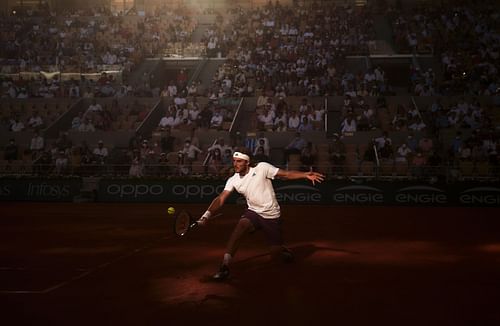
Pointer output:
120, 264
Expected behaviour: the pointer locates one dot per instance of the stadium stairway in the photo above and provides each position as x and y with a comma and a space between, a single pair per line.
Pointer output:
208, 71
383, 31
148, 67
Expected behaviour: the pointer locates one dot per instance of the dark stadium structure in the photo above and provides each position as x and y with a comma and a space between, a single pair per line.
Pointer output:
394, 68
111, 111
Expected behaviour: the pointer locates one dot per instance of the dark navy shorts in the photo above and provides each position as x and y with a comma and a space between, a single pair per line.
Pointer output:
270, 227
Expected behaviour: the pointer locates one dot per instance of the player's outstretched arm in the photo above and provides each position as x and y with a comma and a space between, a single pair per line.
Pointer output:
215, 205
314, 177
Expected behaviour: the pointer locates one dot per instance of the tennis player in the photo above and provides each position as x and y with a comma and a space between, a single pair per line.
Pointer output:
263, 211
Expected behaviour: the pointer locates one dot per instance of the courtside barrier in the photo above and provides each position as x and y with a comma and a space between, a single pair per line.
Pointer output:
330, 192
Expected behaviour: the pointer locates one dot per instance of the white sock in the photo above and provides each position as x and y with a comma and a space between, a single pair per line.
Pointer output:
227, 259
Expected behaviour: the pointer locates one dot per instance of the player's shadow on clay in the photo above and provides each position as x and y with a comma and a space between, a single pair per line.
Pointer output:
264, 262
300, 252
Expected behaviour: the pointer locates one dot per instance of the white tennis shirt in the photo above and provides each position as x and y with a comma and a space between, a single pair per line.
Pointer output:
258, 189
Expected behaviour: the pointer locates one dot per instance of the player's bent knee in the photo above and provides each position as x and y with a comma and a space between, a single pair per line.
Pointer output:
245, 225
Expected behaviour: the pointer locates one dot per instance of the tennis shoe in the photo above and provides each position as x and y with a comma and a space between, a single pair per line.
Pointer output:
222, 273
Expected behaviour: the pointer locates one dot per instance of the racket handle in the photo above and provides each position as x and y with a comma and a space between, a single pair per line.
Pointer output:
193, 225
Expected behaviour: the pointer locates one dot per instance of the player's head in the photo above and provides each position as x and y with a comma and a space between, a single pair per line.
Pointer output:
241, 160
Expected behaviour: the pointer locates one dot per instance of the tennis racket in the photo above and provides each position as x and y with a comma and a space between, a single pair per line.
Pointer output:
184, 222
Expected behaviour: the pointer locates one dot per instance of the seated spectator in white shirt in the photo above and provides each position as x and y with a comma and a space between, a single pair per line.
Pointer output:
348, 125
180, 101
168, 121
100, 152
216, 121
37, 145
77, 121
189, 152
266, 118
86, 126
417, 125
294, 121
318, 113
281, 117
61, 162
17, 125
403, 153
35, 121
94, 107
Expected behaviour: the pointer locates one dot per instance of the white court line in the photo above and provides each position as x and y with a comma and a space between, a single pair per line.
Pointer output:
85, 273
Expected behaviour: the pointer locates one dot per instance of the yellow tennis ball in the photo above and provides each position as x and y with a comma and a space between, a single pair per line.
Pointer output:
171, 210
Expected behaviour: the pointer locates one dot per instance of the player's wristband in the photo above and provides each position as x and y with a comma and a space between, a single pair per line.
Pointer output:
206, 215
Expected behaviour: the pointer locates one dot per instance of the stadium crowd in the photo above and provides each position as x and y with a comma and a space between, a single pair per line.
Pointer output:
284, 57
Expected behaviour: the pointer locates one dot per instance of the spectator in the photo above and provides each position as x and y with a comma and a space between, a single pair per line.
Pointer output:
295, 146
262, 144
260, 155
348, 125
11, 151
306, 125
216, 120
37, 145
337, 150
168, 121
100, 153
136, 165
412, 142
94, 107
293, 121
403, 153
456, 144
163, 164
266, 119
400, 118
308, 157
86, 126
220, 145
425, 145
366, 120
382, 140
416, 124
193, 111
281, 126
35, 121
17, 125
189, 153
386, 152
61, 163
205, 117
418, 164
215, 163
77, 121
